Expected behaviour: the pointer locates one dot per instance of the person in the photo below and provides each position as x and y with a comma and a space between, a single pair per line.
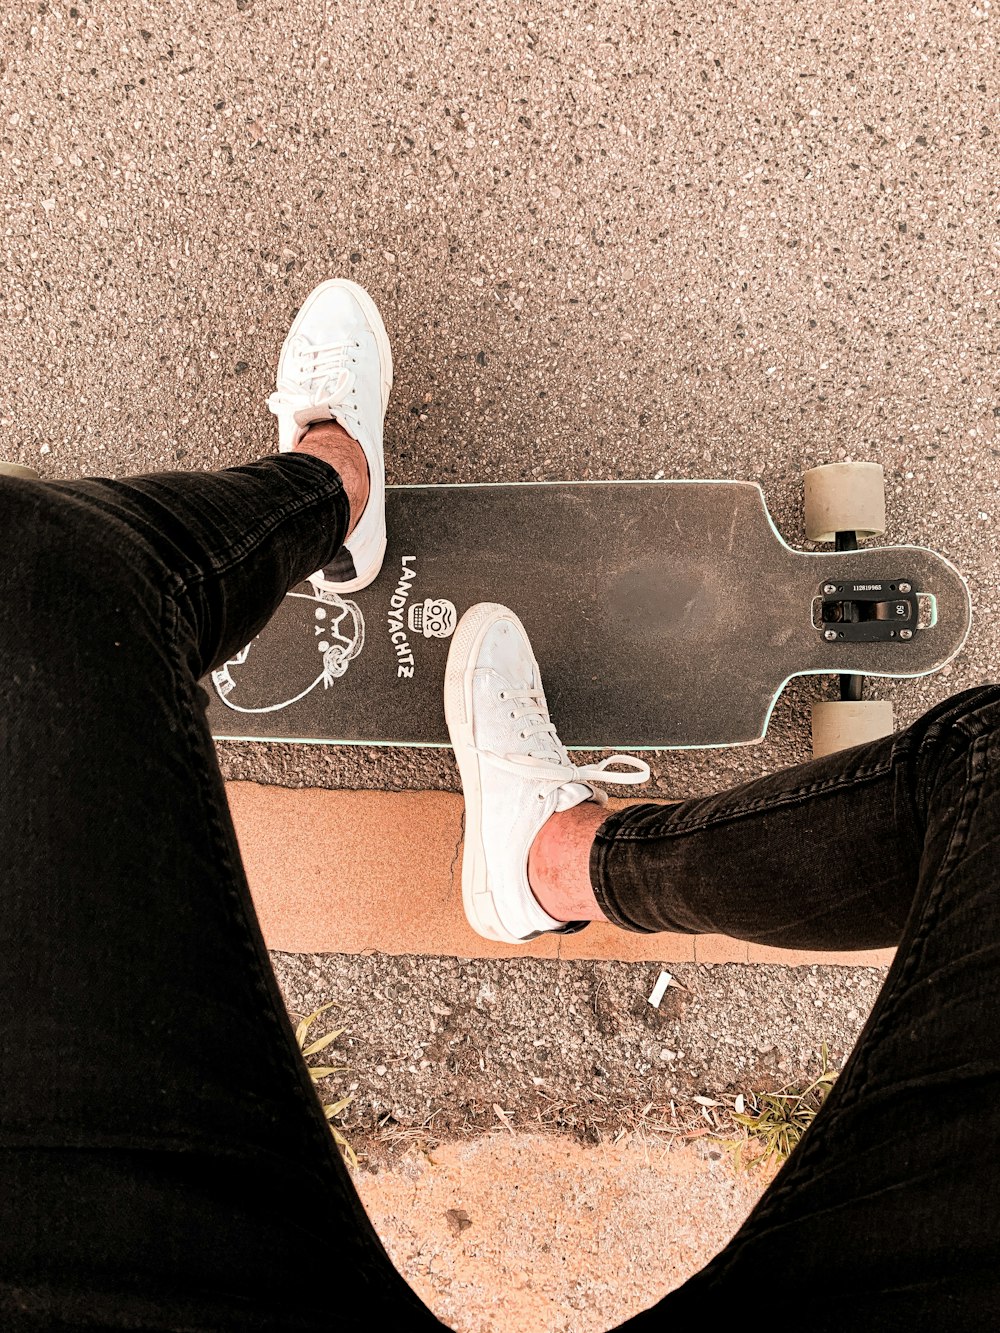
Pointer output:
165, 1161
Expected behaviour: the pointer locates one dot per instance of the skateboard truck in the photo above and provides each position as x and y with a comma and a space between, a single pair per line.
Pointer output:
868, 612
849, 619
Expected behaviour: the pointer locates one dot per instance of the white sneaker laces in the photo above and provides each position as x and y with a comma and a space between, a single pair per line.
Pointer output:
326, 379
550, 760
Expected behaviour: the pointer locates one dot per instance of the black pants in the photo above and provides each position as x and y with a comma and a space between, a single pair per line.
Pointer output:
164, 1162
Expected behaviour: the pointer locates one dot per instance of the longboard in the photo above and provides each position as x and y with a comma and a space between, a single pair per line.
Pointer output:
663, 614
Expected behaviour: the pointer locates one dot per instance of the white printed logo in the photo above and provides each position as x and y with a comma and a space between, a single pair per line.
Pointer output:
435, 617
331, 633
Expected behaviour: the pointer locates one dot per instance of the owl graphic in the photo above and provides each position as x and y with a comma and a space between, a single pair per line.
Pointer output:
310, 641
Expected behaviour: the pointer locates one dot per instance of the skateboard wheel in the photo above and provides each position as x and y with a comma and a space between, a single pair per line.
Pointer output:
16, 470
844, 497
837, 724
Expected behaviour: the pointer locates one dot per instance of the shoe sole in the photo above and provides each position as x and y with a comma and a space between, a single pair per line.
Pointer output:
377, 326
478, 900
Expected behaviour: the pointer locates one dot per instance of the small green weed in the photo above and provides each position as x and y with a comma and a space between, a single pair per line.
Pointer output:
776, 1121
317, 1072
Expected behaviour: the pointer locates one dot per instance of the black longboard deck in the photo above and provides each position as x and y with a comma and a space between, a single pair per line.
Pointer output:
662, 614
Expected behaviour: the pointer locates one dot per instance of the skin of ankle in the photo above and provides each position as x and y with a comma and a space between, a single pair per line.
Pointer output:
559, 863
328, 440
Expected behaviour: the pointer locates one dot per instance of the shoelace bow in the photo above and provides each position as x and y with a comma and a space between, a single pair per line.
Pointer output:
325, 374
552, 754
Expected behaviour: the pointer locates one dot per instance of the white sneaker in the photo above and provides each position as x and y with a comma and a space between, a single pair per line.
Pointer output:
336, 365
515, 771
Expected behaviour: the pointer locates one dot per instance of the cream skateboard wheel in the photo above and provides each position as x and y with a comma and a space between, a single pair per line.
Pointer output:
17, 470
844, 497
839, 724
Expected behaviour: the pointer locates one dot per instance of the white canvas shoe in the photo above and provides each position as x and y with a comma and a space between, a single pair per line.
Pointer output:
515, 771
336, 365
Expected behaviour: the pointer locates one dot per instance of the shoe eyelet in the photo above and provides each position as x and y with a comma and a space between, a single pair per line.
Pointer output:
502, 696
513, 715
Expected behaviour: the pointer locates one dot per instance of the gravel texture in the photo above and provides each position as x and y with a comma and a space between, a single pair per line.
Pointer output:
433, 1046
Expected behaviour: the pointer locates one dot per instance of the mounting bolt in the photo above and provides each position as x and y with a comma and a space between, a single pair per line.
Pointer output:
904, 587
829, 635
906, 634
829, 587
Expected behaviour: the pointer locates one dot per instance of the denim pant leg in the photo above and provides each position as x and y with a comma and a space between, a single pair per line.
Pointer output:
887, 1216
825, 855
164, 1161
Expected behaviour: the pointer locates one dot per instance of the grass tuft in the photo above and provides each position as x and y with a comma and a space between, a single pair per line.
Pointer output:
775, 1121
318, 1072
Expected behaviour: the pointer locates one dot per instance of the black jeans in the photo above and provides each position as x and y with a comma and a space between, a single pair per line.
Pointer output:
164, 1162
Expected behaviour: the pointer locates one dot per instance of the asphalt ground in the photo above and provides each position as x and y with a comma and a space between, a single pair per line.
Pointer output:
608, 241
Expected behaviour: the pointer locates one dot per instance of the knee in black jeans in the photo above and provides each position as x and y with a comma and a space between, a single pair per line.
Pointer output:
57, 540
944, 735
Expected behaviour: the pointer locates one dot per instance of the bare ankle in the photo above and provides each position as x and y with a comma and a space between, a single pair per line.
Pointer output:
559, 863
328, 440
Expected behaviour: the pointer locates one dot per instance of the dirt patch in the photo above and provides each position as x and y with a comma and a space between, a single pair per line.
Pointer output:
570, 1238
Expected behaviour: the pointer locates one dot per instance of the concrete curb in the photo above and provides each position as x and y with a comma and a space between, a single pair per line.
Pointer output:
359, 871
